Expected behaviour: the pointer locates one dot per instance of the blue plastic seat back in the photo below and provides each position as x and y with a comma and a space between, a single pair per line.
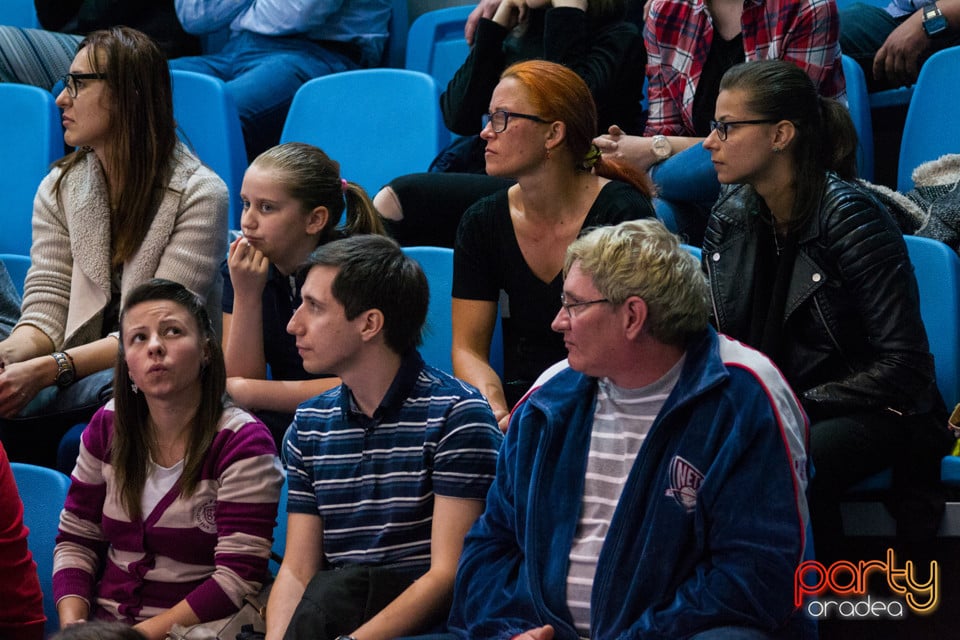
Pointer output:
937, 268
858, 102
931, 130
437, 264
208, 123
19, 13
32, 140
377, 123
435, 44
43, 492
17, 266
280, 531
396, 48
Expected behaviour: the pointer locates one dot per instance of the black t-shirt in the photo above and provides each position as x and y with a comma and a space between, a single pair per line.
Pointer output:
281, 297
723, 55
488, 259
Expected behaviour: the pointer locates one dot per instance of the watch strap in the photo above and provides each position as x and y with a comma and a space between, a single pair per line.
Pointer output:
64, 363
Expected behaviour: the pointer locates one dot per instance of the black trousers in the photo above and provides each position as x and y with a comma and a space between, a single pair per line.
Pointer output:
337, 601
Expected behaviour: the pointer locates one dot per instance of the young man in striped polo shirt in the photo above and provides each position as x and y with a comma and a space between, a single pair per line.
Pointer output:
387, 472
653, 485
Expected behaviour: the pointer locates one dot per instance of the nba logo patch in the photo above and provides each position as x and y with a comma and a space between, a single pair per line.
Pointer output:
685, 481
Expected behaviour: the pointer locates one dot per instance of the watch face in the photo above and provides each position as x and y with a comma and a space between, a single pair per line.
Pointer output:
65, 378
661, 146
933, 22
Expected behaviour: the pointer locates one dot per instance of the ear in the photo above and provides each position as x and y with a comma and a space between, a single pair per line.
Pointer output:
317, 220
635, 319
785, 134
556, 134
372, 325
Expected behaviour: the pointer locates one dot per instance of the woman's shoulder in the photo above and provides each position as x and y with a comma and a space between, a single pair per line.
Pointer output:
619, 201
483, 214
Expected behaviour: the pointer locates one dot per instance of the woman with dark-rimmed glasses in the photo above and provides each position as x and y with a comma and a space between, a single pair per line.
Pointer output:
807, 267
129, 204
538, 130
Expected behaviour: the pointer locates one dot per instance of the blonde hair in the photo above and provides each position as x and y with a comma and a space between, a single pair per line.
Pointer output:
642, 258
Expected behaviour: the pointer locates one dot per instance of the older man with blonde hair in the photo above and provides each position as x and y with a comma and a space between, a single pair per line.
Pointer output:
653, 484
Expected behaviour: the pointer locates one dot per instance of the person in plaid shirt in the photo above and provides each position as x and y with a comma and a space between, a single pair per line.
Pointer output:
690, 44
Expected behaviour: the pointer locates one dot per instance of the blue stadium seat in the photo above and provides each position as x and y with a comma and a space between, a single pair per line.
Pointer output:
280, 531
43, 492
17, 266
208, 123
859, 104
937, 269
928, 131
19, 13
377, 123
396, 48
437, 263
435, 44
32, 140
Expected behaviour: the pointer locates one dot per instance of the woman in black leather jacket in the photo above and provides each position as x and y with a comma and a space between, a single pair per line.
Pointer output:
810, 269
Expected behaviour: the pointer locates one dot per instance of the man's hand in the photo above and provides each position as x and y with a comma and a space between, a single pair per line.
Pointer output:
898, 60
484, 9
543, 633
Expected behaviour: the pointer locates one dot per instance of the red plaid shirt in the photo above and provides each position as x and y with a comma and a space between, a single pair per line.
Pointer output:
679, 34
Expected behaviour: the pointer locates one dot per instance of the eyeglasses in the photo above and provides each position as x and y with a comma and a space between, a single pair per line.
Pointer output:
567, 306
71, 81
499, 119
722, 127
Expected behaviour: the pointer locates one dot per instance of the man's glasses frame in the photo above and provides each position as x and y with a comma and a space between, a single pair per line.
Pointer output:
567, 306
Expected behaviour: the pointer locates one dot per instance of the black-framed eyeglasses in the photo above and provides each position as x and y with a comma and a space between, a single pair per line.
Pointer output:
499, 119
722, 127
73, 81
567, 306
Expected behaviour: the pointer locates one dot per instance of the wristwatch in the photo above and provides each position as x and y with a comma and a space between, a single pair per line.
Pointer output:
345, 638
661, 147
934, 24
66, 371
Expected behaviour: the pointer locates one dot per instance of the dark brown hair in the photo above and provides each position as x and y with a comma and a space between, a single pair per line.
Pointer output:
142, 131
131, 447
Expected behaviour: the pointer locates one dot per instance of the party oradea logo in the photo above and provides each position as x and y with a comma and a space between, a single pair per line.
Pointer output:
866, 590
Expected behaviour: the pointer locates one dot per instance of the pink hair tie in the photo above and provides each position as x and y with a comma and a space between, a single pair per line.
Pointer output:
343, 185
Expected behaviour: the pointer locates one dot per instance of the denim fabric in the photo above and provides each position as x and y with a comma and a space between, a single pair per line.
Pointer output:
863, 30
687, 182
262, 74
34, 435
9, 302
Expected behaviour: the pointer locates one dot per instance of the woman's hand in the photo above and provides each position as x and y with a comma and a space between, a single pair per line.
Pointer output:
636, 151
20, 382
248, 267
72, 610
510, 13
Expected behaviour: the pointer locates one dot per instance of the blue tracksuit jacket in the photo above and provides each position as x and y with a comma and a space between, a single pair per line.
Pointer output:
708, 531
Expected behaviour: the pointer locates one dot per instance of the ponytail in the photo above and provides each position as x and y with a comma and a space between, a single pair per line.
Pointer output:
361, 215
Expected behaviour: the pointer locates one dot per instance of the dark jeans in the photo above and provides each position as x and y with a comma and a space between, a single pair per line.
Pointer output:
863, 30
337, 601
34, 435
846, 450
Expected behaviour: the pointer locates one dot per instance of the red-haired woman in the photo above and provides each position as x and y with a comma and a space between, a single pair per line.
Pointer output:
538, 131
